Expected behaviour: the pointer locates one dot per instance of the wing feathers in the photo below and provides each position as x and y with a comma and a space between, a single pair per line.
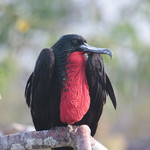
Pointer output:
28, 90
38, 90
110, 91
99, 85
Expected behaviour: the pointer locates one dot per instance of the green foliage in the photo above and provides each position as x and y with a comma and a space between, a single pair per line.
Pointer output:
7, 73
1, 72
124, 32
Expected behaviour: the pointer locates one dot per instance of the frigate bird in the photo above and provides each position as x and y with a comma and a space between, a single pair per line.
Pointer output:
67, 87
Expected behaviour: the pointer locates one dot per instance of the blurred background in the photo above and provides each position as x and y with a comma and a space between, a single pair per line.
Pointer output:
26, 27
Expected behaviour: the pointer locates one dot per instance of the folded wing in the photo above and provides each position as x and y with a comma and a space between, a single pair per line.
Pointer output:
38, 90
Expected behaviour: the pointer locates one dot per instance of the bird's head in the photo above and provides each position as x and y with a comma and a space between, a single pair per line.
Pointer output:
73, 42
67, 45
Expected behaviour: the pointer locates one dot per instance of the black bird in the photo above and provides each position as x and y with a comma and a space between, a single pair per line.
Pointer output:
66, 87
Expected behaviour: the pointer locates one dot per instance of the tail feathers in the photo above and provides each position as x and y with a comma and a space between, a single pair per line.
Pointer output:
110, 91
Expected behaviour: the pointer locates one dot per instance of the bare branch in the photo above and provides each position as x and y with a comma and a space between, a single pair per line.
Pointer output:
76, 137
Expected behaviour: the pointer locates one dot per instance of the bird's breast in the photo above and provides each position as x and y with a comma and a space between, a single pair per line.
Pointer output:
75, 99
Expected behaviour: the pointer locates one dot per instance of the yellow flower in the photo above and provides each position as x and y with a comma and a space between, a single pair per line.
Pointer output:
22, 25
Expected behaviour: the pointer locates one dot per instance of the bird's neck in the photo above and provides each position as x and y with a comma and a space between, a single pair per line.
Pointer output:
75, 99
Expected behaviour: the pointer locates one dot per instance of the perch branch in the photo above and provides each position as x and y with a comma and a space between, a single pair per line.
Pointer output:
76, 137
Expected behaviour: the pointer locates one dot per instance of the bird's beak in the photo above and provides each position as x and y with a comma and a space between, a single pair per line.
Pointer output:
89, 49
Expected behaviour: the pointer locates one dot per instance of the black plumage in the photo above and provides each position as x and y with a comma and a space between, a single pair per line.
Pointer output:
43, 89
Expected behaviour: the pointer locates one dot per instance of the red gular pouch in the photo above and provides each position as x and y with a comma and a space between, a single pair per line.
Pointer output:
75, 99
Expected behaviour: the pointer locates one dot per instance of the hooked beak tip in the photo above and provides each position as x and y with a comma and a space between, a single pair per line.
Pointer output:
109, 52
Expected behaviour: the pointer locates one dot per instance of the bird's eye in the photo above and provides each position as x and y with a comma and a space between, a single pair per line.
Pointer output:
75, 41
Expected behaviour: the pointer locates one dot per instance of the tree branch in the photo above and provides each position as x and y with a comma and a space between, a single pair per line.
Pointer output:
77, 137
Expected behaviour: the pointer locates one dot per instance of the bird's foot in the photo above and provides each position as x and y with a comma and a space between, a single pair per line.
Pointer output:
72, 127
